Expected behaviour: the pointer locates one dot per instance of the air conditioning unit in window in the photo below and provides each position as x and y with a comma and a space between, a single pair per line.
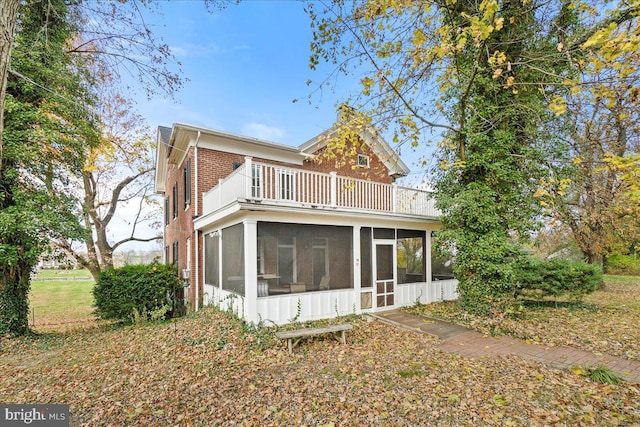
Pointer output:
186, 273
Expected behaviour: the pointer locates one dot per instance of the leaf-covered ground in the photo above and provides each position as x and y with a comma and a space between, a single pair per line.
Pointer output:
210, 369
606, 321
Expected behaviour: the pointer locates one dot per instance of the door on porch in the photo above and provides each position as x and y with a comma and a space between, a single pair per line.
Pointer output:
384, 260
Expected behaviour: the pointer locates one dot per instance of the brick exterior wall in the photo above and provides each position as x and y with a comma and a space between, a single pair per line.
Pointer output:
346, 165
214, 165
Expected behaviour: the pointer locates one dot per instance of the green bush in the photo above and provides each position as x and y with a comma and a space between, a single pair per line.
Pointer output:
558, 277
625, 265
138, 292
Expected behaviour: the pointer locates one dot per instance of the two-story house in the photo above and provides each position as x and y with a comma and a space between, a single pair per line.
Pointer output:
273, 233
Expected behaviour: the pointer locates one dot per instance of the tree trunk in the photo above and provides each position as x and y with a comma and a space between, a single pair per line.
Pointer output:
14, 302
8, 19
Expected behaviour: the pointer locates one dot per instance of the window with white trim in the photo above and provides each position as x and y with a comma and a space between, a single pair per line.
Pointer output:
363, 161
286, 188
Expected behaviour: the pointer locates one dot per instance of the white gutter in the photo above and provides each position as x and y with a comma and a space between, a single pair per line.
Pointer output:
197, 269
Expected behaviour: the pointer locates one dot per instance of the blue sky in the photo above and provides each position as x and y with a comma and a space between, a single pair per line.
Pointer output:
245, 65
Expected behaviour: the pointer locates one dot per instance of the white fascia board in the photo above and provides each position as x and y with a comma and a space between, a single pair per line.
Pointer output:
251, 149
206, 221
184, 135
320, 216
161, 165
383, 150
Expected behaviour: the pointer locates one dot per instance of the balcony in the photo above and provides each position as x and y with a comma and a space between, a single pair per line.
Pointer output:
301, 188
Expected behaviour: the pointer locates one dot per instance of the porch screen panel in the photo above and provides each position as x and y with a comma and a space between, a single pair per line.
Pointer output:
233, 259
287, 259
212, 260
306, 257
366, 281
442, 259
411, 260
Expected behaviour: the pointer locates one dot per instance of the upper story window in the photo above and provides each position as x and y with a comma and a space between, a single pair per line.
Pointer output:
186, 182
256, 181
166, 212
174, 195
363, 161
286, 184
174, 254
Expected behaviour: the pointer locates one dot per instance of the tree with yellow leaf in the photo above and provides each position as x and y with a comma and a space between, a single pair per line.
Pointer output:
598, 130
52, 54
489, 77
116, 172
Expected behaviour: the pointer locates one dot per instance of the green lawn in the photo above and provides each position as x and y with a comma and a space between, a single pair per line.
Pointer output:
66, 274
61, 302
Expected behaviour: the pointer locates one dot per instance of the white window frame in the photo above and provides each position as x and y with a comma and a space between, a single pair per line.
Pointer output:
292, 246
363, 161
256, 181
260, 255
287, 191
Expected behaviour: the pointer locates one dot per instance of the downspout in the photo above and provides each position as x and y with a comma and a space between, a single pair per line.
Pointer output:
196, 194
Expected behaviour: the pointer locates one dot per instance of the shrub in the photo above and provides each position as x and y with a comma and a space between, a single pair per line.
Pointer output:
558, 278
138, 292
626, 265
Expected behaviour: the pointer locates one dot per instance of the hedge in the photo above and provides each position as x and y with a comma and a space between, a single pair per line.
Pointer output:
138, 292
558, 277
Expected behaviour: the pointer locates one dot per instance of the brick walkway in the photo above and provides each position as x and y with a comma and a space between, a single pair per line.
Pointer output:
460, 340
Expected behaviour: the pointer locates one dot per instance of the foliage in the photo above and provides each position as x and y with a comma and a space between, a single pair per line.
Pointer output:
116, 172
557, 277
62, 51
202, 370
591, 188
623, 264
556, 242
494, 78
44, 135
137, 292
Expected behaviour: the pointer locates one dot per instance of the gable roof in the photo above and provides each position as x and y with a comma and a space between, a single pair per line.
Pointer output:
173, 143
395, 165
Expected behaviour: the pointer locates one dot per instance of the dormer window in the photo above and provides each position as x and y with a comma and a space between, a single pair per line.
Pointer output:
363, 161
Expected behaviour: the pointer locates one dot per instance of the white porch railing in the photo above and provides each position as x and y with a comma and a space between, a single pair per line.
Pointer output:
265, 182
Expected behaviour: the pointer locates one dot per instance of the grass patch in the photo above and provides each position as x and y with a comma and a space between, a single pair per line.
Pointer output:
598, 373
62, 304
413, 371
63, 274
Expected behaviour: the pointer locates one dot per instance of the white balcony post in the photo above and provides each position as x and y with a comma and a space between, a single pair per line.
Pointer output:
334, 188
427, 286
394, 197
248, 177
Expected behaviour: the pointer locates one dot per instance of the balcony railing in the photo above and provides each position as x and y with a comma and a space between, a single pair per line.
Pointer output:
270, 183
